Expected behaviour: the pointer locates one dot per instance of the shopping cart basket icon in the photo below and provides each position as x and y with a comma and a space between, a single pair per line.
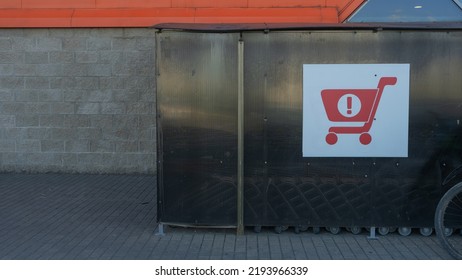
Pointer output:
360, 106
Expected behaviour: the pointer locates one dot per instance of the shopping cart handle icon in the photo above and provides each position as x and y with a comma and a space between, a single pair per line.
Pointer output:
353, 106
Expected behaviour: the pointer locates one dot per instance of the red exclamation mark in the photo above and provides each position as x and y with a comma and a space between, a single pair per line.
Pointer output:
349, 105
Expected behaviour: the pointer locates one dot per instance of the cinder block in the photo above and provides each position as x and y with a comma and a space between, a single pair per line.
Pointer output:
6, 95
49, 44
99, 96
12, 108
91, 83
127, 43
63, 133
127, 146
111, 83
74, 44
27, 120
86, 57
89, 133
70, 161
127, 95
77, 120
24, 44
52, 146
61, 32
6, 44
126, 121
146, 134
51, 120
139, 108
121, 69
43, 161
102, 146
49, 70
27, 95
146, 43
37, 57
88, 108
148, 147
75, 70
11, 82
75, 95
7, 146
30, 146
148, 95
62, 108
39, 133
51, 95
99, 70
37, 83
25, 70
102, 121
10, 57
147, 121
6, 69
113, 108
90, 159
138, 83
77, 146
74, 83
99, 44
38, 108
63, 57
110, 57
35, 33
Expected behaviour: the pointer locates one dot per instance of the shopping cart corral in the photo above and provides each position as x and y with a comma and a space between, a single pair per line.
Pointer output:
231, 110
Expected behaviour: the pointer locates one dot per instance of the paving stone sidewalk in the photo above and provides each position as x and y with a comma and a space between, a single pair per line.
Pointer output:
69, 216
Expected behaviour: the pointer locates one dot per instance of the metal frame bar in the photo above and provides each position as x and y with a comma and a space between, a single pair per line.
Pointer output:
240, 139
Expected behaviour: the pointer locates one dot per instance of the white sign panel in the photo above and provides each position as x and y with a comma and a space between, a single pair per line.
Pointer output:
355, 110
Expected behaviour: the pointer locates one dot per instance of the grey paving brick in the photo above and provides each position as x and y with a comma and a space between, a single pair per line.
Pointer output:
64, 216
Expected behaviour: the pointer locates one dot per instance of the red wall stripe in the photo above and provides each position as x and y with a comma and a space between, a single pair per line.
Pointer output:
145, 13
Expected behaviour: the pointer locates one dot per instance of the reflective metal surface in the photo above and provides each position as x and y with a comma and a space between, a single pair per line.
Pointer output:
285, 188
197, 128
197, 101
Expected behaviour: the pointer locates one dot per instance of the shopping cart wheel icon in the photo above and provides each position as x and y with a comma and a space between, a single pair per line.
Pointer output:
364, 138
368, 103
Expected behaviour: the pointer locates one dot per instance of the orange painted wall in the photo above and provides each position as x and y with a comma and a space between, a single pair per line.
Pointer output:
145, 13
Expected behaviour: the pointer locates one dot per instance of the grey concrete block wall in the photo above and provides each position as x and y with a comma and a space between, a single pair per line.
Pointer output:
78, 100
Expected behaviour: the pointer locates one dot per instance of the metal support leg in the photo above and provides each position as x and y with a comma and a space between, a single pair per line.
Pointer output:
160, 230
372, 235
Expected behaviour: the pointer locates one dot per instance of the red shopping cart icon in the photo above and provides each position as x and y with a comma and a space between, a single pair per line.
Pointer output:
353, 106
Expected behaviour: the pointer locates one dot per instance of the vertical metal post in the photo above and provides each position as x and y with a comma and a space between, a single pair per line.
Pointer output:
240, 138
160, 230
372, 235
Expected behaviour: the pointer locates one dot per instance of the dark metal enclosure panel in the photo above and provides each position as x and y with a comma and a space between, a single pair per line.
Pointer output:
283, 188
197, 123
